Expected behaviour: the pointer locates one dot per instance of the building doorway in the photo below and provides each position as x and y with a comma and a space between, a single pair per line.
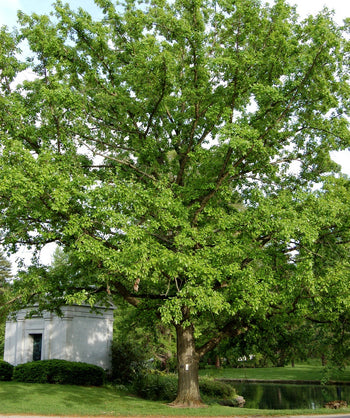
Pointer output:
37, 345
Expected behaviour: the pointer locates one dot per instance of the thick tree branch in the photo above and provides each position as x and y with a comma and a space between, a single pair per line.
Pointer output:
221, 178
126, 295
231, 329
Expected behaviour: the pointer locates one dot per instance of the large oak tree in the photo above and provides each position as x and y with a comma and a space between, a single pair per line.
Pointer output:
180, 152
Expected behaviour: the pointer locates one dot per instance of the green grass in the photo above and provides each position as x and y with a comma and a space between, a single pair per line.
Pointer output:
46, 399
299, 372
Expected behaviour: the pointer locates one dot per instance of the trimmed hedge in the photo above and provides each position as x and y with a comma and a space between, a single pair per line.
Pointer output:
59, 371
6, 371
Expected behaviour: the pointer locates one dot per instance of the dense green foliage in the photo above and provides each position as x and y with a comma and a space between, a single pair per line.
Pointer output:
6, 371
163, 387
128, 362
172, 149
5, 276
216, 390
156, 386
59, 371
275, 343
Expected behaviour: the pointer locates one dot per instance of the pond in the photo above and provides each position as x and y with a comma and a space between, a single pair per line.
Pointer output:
290, 396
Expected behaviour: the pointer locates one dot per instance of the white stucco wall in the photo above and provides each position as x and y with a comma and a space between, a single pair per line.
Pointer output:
79, 335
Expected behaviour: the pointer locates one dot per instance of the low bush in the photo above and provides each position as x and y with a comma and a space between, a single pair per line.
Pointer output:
6, 371
156, 386
163, 387
128, 362
216, 390
59, 371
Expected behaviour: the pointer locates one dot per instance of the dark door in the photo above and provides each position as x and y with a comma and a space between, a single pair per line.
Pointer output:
37, 343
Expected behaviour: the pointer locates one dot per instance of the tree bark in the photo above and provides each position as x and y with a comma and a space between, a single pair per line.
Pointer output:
188, 394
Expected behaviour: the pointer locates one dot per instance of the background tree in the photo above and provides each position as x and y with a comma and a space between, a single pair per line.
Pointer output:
5, 276
173, 148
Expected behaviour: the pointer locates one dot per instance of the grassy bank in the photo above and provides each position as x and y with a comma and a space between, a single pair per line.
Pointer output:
299, 372
46, 399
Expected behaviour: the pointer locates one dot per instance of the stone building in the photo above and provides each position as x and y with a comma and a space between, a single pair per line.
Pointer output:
77, 335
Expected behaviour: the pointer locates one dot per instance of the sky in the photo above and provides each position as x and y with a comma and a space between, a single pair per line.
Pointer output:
8, 8
8, 17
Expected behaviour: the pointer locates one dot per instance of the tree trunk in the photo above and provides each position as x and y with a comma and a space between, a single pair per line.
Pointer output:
187, 364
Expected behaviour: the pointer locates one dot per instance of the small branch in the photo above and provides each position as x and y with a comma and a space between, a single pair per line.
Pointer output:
149, 124
121, 162
177, 285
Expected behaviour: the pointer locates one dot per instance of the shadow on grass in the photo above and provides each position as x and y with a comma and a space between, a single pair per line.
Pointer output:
46, 398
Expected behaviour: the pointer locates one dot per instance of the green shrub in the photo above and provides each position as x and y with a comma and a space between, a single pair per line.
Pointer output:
156, 386
128, 363
33, 372
214, 389
6, 371
59, 371
163, 387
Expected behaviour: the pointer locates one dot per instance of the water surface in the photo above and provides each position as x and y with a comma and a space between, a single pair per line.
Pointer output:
290, 396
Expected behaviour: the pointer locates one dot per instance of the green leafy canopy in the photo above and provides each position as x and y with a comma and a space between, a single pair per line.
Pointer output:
172, 149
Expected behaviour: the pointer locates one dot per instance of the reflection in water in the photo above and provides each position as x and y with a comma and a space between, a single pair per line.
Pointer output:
290, 396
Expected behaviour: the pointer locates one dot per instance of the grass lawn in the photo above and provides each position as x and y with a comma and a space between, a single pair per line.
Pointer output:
299, 372
46, 399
